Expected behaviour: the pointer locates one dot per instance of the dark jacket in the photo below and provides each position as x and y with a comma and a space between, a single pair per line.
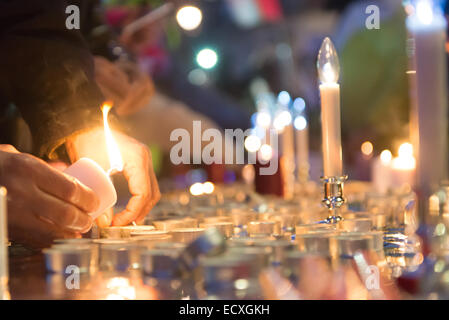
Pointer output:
46, 71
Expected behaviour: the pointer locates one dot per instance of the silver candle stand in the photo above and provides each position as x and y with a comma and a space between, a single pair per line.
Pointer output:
333, 197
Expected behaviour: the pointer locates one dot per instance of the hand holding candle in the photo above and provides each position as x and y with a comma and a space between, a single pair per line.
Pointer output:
99, 145
328, 70
43, 203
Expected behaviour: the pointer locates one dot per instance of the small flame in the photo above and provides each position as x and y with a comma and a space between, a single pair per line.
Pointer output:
327, 62
115, 157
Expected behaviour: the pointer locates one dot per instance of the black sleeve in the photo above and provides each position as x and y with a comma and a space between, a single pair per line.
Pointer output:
46, 70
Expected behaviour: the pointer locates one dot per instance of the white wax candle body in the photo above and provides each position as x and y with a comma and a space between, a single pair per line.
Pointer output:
302, 151
401, 177
429, 97
93, 176
4, 293
381, 175
331, 130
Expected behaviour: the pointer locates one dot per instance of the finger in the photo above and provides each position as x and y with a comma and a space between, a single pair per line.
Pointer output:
110, 95
8, 148
155, 191
64, 187
105, 219
64, 215
137, 175
135, 206
106, 68
34, 232
115, 80
139, 95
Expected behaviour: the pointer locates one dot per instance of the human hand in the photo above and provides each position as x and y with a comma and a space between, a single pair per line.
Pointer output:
124, 84
43, 203
137, 170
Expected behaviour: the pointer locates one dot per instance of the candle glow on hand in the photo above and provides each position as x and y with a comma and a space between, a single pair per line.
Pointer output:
327, 63
115, 157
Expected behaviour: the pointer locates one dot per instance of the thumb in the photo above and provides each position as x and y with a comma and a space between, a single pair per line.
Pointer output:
105, 219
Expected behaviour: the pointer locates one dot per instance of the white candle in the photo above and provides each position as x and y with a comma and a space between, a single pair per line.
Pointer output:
427, 26
381, 172
328, 70
4, 275
92, 175
302, 148
403, 167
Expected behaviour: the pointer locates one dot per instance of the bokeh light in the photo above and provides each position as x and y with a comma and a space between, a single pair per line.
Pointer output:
189, 17
207, 58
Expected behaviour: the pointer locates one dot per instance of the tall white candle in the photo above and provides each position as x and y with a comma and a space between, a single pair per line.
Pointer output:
4, 276
328, 70
427, 26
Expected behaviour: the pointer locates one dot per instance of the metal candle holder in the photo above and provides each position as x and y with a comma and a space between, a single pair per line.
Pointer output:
333, 197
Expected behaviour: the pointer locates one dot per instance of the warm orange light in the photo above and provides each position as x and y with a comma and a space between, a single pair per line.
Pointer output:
208, 187
121, 289
197, 189
115, 157
405, 159
367, 148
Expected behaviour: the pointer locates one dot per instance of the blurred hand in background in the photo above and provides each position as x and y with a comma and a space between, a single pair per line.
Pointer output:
124, 84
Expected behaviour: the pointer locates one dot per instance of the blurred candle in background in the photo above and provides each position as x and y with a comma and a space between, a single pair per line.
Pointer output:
403, 167
427, 27
302, 148
328, 71
381, 172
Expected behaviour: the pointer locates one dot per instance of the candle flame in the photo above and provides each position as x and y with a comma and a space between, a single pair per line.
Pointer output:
386, 156
327, 63
196, 189
405, 159
115, 157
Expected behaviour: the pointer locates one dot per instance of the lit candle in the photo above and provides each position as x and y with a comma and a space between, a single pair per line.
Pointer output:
4, 292
328, 70
427, 26
381, 172
403, 166
93, 176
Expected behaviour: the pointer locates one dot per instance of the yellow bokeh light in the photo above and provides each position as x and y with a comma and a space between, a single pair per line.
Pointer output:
208, 187
367, 148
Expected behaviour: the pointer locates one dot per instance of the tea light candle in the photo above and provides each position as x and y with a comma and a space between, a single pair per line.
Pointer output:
328, 70
93, 176
186, 235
